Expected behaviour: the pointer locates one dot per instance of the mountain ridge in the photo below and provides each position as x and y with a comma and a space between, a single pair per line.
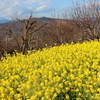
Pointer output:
41, 18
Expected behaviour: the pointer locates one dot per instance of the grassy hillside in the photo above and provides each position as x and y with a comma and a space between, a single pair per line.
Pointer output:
65, 72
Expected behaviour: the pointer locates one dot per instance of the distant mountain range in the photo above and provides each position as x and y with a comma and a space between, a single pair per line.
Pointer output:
42, 18
4, 20
4, 23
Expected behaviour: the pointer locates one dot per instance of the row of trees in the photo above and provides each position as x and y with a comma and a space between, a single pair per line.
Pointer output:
80, 23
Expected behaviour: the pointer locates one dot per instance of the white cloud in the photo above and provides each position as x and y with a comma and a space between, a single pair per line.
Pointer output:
41, 2
9, 8
30, 7
9, 12
41, 8
15, 3
73, 1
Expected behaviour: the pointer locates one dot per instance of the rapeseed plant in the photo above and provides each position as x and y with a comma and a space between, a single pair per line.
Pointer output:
65, 72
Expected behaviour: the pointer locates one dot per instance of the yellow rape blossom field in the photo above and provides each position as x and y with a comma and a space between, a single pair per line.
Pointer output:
65, 72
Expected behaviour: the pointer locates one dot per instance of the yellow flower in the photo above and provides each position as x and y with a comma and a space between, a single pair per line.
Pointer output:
54, 95
67, 96
60, 85
78, 99
79, 94
12, 93
67, 88
98, 89
43, 98
34, 97
44, 74
20, 99
77, 90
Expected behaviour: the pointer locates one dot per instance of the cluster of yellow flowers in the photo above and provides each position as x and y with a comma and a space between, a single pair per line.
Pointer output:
65, 72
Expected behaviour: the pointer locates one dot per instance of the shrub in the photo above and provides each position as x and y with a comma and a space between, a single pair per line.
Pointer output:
65, 72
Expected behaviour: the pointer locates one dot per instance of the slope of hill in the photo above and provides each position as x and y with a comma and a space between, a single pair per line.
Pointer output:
4, 23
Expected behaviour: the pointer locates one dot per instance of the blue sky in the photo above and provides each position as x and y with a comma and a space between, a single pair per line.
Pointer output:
22, 8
